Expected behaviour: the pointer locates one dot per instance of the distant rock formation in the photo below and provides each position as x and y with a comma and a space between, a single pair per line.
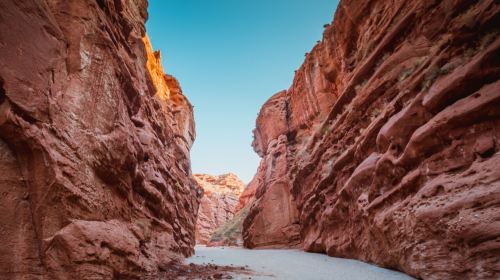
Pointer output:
230, 232
218, 204
386, 146
94, 145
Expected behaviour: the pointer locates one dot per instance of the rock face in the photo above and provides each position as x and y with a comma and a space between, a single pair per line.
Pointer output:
218, 204
230, 232
248, 195
386, 146
94, 144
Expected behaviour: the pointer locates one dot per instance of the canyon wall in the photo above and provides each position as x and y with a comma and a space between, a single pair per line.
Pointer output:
218, 204
386, 146
229, 233
95, 172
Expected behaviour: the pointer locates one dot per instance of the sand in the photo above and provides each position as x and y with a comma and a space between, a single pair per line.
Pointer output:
292, 264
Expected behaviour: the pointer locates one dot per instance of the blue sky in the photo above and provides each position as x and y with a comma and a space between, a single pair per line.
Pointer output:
230, 56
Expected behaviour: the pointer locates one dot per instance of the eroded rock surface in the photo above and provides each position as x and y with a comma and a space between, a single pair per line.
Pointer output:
229, 233
248, 195
386, 146
218, 204
94, 145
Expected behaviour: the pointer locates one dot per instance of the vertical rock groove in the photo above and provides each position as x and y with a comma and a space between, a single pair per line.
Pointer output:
2, 92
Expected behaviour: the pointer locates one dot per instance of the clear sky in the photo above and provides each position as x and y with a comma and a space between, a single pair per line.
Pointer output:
230, 56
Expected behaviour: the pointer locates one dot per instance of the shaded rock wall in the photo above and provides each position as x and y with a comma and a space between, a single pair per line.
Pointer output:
386, 146
218, 204
248, 195
94, 144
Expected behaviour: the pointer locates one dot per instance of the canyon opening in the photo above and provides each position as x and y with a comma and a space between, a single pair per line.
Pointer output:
373, 156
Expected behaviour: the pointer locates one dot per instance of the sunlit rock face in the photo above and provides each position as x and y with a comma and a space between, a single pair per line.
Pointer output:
386, 146
94, 145
218, 204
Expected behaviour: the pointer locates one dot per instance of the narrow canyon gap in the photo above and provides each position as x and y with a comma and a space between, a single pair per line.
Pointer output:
384, 149
219, 204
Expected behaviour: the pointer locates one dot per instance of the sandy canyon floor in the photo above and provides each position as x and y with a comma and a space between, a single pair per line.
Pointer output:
291, 264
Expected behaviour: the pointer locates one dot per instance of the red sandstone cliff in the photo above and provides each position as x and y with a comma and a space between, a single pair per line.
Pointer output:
218, 204
385, 148
94, 144
247, 196
229, 233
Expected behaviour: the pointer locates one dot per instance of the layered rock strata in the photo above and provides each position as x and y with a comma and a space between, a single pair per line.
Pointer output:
230, 232
386, 146
218, 204
94, 145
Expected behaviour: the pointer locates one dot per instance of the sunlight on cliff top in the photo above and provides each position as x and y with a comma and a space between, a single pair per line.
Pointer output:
156, 70
167, 87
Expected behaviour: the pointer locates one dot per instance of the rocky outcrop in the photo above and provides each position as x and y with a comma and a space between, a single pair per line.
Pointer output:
94, 145
273, 221
247, 196
385, 148
230, 232
218, 204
